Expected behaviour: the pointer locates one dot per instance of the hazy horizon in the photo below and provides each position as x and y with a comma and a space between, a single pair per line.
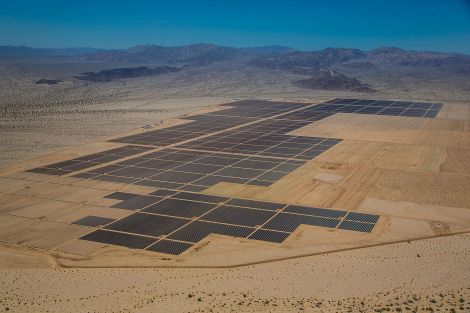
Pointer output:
238, 47
307, 25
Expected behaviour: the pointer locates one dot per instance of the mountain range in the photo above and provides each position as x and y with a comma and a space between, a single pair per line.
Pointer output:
326, 69
145, 53
272, 57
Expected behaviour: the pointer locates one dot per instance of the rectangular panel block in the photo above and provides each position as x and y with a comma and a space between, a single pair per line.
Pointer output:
173, 176
238, 216
163, 192
289, 222
93, 221
362, 217
200, 197
137, 202
269, 235
180, 208
170, 247
256, 204
120, 195
147, 224
197, 231
119, 239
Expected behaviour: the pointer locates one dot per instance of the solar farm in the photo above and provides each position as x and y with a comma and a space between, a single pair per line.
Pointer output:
246, 182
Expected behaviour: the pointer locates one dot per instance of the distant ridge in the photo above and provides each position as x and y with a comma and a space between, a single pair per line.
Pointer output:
271, 57
194, 53
312, 61
28, 52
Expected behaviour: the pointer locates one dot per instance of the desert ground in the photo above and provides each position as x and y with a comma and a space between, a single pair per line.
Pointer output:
411, 171
36, 119
406, 277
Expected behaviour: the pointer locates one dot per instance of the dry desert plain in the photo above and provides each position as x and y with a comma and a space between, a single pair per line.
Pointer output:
413, 172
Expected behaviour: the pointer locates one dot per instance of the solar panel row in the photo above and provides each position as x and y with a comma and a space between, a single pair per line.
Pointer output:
96, 159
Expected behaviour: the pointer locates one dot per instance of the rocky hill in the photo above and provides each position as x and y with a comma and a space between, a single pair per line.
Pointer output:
127, 72
43, 81
330, 80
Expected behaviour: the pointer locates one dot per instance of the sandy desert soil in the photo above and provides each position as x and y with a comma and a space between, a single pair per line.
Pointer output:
419, 276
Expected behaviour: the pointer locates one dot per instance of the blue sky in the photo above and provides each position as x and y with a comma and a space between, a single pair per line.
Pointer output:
308, 25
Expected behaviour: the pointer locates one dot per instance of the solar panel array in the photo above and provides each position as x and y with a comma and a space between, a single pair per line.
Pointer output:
256, 128
195, 170
259, 153
374, 107
171, 222
263, 143
242, 112
244, 143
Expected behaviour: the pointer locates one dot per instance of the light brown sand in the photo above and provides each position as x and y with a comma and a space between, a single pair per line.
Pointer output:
419, 276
